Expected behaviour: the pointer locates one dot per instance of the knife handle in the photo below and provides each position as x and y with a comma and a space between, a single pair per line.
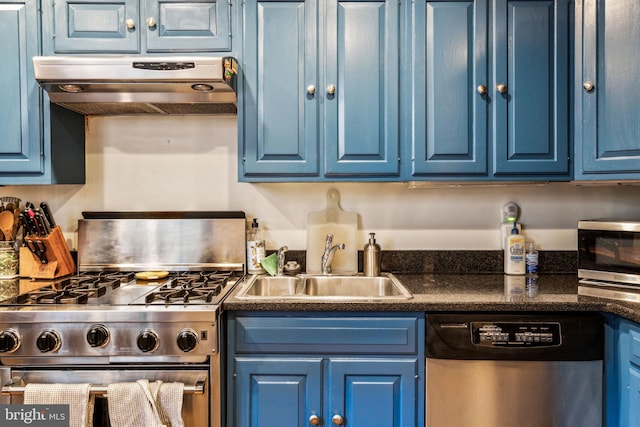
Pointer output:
43, 224
26, 225
46, 210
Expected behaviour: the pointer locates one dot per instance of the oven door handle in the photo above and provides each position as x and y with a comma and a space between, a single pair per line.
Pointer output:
11, 389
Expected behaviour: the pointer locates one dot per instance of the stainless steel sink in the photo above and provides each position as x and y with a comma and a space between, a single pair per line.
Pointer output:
319, 288
270, 286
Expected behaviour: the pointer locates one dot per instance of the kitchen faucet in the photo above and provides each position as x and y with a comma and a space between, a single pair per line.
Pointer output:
329, 252
281, 253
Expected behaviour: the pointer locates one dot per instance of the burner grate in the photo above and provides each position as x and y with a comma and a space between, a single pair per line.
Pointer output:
190, 288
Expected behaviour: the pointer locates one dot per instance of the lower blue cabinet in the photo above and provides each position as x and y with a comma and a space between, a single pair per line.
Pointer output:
277, 391
291, 382
634, 397
622, 371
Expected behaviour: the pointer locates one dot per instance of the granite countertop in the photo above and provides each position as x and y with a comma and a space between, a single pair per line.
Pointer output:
463, 293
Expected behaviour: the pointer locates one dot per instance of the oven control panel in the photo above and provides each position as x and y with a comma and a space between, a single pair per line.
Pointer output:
167, 341
516, 334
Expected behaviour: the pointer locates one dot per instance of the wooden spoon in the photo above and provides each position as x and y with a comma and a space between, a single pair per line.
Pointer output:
6, 224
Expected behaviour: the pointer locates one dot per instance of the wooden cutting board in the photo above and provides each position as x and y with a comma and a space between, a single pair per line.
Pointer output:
344, 227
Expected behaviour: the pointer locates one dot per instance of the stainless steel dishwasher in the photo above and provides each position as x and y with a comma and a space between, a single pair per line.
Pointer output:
512, 370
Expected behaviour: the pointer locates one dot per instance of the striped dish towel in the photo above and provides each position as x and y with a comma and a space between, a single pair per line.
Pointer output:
77, 396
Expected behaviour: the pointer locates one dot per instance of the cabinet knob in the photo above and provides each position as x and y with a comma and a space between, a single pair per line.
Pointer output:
151, 22
501, 87
131, 25
482, 89
331, 89
337, 420
314, 420
311, 89
588, 86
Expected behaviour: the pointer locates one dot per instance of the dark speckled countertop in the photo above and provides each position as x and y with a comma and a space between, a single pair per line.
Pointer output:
463, 281
463, 293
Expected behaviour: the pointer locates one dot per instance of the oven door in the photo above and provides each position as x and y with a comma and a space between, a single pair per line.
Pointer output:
195, 406
611, 253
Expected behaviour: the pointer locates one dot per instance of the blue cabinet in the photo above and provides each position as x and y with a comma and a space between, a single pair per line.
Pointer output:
277, 391
137, 26
622, 371
297, 369
320, 92
489, 87
20, 141
607, 100
27, 127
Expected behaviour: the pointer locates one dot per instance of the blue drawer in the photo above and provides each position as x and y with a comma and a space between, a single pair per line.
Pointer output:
334, 335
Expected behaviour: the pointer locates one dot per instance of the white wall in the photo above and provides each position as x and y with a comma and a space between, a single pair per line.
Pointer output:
190, 163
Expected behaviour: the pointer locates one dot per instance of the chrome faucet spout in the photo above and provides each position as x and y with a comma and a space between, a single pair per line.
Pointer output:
281, 256
329, 252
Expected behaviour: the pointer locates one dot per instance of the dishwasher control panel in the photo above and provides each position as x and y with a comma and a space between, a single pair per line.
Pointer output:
516, 334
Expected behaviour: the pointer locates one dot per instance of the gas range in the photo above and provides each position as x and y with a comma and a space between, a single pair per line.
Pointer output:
107, 312
107, 325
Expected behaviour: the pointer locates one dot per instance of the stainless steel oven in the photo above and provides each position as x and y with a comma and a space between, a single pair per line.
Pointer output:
106, 325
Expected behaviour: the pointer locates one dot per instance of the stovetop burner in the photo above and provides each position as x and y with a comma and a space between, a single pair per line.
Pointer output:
122, 288
76, 290
190, 288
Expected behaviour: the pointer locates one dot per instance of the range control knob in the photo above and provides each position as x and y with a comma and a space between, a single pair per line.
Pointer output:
98, 336
48, 341
148, 341
9, 341
187, 340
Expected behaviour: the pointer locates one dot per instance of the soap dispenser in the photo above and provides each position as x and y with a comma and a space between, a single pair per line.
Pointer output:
372, 257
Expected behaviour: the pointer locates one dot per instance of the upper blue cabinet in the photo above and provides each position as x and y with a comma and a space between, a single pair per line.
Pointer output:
320, 98
20, 145
607, 137
489, 89
27, 129
137, 26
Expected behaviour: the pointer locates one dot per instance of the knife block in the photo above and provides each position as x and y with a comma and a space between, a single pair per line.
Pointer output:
60, 262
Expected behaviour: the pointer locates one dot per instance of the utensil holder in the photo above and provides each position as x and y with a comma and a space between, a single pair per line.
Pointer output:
60, 262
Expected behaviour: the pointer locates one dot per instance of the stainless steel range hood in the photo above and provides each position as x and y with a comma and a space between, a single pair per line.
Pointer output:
117, 85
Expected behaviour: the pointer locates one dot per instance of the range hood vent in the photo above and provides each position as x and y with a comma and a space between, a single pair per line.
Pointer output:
127, 85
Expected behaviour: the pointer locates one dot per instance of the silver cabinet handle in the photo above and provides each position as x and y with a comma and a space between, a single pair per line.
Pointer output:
502, 88
331, 89
151, 22
588, 86
482, 89
131, 25
337, 420
314, 420
311, 89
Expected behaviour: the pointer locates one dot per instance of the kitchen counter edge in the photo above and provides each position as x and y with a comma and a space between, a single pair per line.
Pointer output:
462, 293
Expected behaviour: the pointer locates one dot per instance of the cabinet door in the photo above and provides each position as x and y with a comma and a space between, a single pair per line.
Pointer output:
277, 392
607, 134
187, 25
360, 90
278, 111
96, 26
529, 87
449, 132
373, 392
634, 398
20, 134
